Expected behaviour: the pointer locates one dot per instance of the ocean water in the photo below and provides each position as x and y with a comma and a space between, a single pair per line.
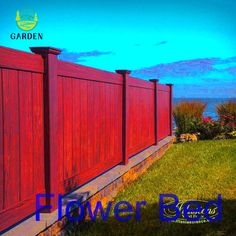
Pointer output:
211, 104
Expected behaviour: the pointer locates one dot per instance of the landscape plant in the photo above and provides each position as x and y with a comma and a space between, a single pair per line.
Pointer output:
184, 115
189, 119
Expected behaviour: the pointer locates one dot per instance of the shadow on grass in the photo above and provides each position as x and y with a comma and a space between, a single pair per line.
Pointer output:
150, 224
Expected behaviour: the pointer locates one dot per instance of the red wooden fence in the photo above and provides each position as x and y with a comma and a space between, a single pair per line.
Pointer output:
63, 124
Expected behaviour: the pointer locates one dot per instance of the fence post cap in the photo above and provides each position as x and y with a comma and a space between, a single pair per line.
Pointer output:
170, 85
154, 80
123, 72
45, 50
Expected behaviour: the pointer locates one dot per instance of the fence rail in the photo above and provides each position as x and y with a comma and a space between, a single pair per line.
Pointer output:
63, 124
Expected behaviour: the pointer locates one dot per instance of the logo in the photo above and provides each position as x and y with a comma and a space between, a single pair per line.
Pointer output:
26, 21
191, 212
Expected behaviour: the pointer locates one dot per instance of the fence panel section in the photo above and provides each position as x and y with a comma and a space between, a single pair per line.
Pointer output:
21, 134
91, 123
164, 111
141, 132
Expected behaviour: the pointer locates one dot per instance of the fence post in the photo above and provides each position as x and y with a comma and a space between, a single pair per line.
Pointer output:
125, 74
171, 108
50, 97
155, 81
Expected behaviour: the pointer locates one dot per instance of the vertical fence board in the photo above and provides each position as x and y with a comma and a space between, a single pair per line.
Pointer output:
97, 119
1, 147
38, 139
90, 122
61, 134
26, 131
67, 91
109, 123
103, 123
11, 137
116, 123
84, 125
113, 121
76, 126
119, 122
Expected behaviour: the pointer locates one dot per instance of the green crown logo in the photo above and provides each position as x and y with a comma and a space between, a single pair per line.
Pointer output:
26, 22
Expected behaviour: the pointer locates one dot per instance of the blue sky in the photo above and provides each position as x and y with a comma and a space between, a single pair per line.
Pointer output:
189, 43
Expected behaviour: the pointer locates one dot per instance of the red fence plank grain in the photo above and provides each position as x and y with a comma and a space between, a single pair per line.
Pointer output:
1, 146
26, 134
76, 122
38, 132
11, 138
63, 124
68, 130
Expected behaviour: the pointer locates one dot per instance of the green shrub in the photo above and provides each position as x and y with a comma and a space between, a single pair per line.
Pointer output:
227, 115
208, 128
185, 113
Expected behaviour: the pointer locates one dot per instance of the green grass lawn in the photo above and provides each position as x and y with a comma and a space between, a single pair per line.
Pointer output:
199, 170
